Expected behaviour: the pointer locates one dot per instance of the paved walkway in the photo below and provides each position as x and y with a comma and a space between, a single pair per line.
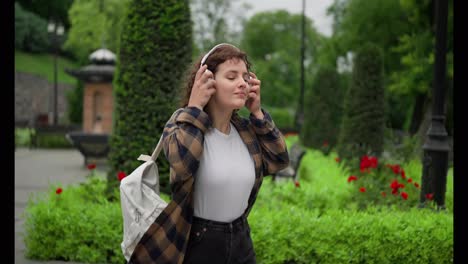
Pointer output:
35, 170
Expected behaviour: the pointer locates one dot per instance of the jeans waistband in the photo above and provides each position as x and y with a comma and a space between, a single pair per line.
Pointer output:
238, 223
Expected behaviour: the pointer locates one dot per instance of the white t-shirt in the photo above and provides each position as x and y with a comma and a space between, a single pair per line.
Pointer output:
225, 177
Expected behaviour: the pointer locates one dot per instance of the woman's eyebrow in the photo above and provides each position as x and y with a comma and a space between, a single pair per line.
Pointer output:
235, 71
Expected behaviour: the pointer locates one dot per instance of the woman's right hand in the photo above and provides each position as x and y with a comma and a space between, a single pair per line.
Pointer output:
203, 88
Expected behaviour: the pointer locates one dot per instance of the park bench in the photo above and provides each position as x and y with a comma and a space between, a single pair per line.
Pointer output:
296, 153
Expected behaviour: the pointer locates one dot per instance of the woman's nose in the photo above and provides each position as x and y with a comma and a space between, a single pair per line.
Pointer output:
244, 83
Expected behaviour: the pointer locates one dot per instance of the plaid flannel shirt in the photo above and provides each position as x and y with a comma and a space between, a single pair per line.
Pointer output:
166, 239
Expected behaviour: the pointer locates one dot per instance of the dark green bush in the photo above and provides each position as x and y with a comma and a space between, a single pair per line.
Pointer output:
322, 111
363, 122
30, 31
283, 117
155, 51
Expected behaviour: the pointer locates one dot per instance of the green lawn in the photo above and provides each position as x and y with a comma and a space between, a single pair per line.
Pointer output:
43, 65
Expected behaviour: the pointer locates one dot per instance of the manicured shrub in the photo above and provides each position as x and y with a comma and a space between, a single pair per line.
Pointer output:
322, 111
74, 223
155, 51
363, 123
314, 221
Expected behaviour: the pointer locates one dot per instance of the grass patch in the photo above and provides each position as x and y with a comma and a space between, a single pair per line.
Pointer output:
23, 137
43, 65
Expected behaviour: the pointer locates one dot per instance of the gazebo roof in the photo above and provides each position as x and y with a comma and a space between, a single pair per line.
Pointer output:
93, 73
101, 69
102, 56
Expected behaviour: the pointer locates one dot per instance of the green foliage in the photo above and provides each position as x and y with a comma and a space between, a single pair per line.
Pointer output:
321, 189
416, 50
49, 9
23, 137
216, 21
363, 122
323, 110
30, 31
387, 184
75, 103
104, 31
313, 223
155, 51
43, 66
51, 141
405, 148
283, 117
272, 40
296, 235
380, 22
77, 225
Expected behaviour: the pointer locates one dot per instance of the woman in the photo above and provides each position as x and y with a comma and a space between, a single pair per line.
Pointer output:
218, 160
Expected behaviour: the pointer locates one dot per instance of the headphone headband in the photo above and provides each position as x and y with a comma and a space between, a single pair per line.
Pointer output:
211, 51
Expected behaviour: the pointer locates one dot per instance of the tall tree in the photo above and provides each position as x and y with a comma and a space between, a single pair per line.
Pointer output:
363, 123
323, 110
272, 40
217, 21
155, 52
85, 37
30, 31
381, 22
416, 50
56, 10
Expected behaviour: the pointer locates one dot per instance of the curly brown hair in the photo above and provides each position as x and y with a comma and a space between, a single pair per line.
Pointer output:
217, 57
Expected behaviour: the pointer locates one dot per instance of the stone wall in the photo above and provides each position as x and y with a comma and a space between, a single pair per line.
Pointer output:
34, 96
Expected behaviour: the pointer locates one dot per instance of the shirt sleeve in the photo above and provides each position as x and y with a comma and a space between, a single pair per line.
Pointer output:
275, 155
183, 138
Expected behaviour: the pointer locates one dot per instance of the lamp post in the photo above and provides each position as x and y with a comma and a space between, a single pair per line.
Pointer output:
436, 147
56, 30
300, 109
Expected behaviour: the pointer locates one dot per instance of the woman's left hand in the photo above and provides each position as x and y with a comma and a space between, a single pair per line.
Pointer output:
253, 103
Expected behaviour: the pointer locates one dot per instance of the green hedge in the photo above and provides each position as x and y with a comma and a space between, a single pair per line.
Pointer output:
316, 222
78, 224
295, 235
155, 51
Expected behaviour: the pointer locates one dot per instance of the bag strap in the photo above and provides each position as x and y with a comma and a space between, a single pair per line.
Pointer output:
159, 146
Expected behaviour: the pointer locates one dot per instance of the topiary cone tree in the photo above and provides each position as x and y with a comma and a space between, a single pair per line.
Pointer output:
322, 113
363, 123
155, 50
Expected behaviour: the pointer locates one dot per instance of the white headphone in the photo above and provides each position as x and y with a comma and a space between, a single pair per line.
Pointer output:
213, 49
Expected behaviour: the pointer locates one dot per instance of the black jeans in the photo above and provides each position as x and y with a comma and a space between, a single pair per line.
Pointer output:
213, 242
